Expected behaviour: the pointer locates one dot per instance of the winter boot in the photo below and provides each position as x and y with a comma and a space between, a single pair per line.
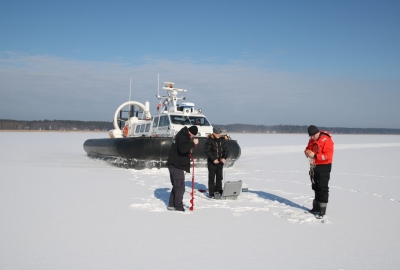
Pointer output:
315, 207
322, 210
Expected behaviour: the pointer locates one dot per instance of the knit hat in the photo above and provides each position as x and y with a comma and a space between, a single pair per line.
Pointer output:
193, 130
217, 130
312, 130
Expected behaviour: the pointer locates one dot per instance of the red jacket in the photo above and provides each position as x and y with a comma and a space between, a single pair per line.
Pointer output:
323, 148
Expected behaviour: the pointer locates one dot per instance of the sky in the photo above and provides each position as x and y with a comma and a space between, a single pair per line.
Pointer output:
327, 63
61, 210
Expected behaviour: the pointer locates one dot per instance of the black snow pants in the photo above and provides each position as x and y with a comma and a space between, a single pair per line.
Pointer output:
214, 178
178, 187
322, 174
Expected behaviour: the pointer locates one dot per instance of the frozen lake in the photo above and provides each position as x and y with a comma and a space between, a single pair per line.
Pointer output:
60, 209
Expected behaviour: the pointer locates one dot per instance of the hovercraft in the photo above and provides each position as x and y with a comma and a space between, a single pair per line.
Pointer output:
140, 141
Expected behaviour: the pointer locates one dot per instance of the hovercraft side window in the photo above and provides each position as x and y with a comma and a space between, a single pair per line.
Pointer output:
155, 122
164, 121
142, 127
137, 129
147, 127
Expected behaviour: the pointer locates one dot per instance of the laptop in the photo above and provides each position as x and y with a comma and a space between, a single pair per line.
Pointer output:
231, 191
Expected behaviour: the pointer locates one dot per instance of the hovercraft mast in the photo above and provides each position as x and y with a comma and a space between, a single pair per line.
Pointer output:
172, 96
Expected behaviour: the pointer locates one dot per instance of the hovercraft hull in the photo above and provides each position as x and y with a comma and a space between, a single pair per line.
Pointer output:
148, 152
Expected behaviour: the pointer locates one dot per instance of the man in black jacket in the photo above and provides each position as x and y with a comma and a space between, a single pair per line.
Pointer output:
178, 162
216, 152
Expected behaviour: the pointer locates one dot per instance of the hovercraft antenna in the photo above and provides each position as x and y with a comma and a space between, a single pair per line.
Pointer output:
130, 89
158, 86
131, 108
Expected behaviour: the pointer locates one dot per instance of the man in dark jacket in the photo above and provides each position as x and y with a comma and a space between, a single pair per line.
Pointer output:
178, 162
217, 153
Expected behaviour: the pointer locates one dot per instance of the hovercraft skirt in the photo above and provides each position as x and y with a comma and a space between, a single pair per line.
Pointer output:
150, 149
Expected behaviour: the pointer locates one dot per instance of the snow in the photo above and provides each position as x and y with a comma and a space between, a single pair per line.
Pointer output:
60, 209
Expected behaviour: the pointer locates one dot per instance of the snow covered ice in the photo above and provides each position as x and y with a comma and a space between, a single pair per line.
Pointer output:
62, 210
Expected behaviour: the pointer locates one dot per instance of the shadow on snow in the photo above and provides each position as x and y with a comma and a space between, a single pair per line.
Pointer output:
163, 195
196, 185
272, 197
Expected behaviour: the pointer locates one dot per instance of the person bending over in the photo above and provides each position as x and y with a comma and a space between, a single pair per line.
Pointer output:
179, 162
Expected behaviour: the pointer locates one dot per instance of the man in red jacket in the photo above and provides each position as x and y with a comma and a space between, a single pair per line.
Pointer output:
320, 151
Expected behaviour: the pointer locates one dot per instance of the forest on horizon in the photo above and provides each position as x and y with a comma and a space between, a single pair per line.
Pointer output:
73, 125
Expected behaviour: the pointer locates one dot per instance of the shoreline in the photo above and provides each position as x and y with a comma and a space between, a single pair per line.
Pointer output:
106, 132
12, 130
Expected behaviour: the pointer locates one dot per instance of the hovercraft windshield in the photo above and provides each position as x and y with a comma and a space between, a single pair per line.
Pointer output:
189, 120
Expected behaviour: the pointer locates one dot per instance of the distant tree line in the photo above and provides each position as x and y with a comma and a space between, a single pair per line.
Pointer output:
55, 125
243, 128
72, 125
